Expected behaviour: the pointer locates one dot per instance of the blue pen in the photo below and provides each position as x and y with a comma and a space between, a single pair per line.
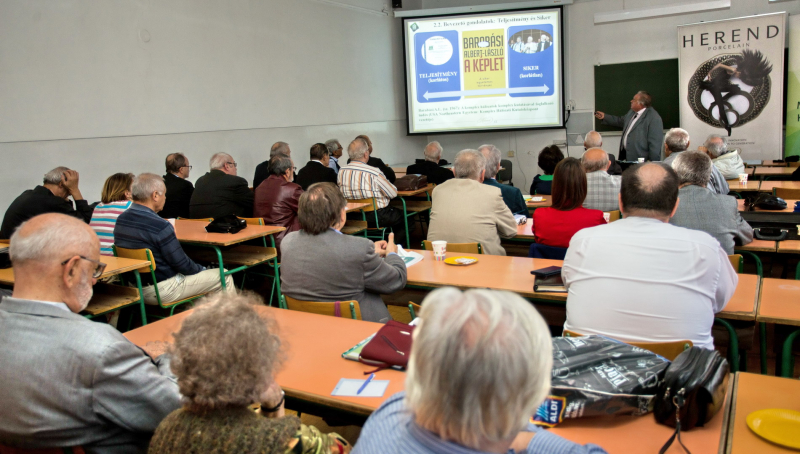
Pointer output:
366, 382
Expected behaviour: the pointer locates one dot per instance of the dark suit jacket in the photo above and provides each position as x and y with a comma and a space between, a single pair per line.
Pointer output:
645, 138
179, 194
219, 194
435, 174
314, 172
511, 196
262, 173
40, 200
378, 162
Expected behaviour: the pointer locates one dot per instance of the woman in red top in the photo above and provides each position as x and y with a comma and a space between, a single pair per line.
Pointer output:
554, 226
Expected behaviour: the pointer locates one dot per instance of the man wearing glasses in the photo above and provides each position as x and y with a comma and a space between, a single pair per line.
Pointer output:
180, 189
69, 381
221, 192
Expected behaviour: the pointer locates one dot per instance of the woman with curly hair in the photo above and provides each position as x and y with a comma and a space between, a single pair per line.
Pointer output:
225, 357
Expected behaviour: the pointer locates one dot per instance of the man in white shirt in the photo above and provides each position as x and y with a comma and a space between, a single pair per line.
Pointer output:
641, 279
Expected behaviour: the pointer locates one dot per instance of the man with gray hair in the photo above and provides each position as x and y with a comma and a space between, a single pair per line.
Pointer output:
602, 189
70, 381
430, 165
51, 197
728, 162
511, 195
466, 211
221, 192
592, 139
700, 209
677, 141
262, 170
642, 129
335, 151
448, 406
139, 227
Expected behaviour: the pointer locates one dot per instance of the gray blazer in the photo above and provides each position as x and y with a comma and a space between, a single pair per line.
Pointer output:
69, 381
336, 267
715, 214
646, 136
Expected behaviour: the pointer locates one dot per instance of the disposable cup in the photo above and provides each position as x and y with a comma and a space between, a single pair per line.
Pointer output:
607, 216
743, 178
439, 249
641, 159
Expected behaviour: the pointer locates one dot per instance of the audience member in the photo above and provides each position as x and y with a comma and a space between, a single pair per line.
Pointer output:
479, 368
549, 157
511, 195
68, 381
140, 227
376, 162
220, 376
115, 199
277, 198
467, 211
555, 225
677, 141
179, 188
700, 209
602, 189
262, 170
641, 279
335, 151
430, 165
359, 180
51, 197
593, 139
220, 192
317, 169
728, 162
321, 264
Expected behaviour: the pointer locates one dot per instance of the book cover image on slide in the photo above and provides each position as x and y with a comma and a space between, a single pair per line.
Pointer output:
531, 59
437, 66
484, 62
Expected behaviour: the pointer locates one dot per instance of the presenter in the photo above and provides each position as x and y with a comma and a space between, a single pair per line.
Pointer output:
642, 130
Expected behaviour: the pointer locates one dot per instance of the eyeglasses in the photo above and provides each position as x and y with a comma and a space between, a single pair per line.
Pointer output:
294, 169
98, 271
186, 167
231, 163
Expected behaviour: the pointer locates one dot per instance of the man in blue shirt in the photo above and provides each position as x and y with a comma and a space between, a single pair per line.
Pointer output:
140, 227
511, 195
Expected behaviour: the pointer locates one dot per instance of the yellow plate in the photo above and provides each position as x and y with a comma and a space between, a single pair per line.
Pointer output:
461, 261
776, 425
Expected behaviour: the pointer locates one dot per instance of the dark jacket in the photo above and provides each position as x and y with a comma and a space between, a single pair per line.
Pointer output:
511, 196
378, 162
276, 202
262, 173
179, 194
542, 184
41, 200
314, 172
435, 174
219, 194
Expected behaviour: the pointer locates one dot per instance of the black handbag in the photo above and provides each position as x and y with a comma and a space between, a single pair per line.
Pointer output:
768, 202
226, 224
692, 392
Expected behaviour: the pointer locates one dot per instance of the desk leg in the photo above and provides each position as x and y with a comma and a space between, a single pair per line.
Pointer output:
221, 267
733, 345
787, 366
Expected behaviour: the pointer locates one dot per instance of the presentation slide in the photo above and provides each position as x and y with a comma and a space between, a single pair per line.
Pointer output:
487, 71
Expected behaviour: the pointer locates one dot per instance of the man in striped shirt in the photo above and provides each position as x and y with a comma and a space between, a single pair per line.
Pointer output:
358, 180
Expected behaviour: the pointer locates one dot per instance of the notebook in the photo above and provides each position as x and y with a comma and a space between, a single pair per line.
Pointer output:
549, 284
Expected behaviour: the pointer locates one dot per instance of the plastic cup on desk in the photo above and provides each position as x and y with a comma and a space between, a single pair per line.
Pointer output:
172, 222
742, 178
439, 249
607, 216
641, 159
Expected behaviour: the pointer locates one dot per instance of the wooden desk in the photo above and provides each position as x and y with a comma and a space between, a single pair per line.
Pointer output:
789, 247
352, 206
789, 206
752, 392
779, 305
415, 192
771, 163
767, 186
773, 171
752, 185
525, 231
114, 266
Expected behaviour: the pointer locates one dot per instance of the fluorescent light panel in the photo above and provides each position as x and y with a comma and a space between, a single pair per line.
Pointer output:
481, 8
658, 11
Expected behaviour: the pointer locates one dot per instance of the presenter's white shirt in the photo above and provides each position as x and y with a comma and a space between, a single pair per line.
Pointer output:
642, 280
637, 116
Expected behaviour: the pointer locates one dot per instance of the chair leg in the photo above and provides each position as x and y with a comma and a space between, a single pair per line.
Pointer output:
787, 368
733, 345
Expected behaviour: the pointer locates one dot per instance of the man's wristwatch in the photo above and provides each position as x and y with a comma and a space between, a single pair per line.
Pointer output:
276, 407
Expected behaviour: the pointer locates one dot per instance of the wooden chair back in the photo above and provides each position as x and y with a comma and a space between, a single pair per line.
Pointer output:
137, 254
347, 308
786, 193
669, 350
198, 219
367, 209
464, 248
737, 262
404, 314
614, 216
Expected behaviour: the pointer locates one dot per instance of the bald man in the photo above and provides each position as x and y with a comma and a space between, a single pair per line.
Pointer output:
602, 189
641, 279
69, 381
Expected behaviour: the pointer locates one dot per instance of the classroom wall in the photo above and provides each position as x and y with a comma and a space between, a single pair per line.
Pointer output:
114, 86
588, 45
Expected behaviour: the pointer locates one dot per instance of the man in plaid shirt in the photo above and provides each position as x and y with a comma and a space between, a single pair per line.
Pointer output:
358, 180
602, 189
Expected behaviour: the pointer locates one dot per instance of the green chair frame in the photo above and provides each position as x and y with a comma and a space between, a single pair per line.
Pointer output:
367, 233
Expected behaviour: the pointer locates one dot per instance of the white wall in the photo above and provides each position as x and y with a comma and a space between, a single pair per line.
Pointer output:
81, 87
588, 45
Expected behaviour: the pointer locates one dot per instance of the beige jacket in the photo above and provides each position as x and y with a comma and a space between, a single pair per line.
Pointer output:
466, 211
